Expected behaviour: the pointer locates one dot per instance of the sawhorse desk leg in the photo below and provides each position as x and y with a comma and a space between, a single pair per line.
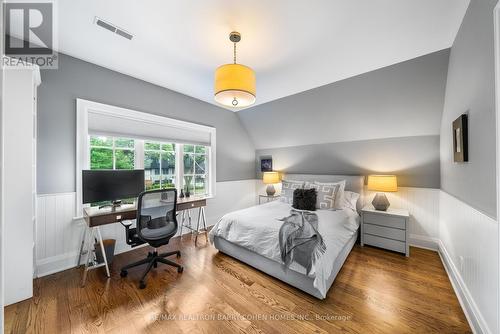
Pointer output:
90, 262
201, 215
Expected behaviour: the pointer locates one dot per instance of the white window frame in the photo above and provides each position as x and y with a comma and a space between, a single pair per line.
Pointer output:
113, 148
194, 166
84, 107
160, 151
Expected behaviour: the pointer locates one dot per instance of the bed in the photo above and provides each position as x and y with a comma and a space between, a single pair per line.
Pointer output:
251, 236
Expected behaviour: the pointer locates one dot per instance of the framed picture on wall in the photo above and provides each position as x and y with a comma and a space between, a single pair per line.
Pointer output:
266, 164
460, 139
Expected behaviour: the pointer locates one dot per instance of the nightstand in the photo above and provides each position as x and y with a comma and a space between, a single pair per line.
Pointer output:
386, 229
269, 198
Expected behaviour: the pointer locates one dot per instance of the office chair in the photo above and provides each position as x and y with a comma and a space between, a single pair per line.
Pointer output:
156, 223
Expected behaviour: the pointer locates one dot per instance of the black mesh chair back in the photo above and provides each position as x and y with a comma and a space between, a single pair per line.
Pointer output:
156, 216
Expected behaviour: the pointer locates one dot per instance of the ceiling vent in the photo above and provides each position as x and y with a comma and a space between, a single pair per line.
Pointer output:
111, 27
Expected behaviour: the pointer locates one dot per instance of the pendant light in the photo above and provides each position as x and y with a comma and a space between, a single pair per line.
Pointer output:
235, 83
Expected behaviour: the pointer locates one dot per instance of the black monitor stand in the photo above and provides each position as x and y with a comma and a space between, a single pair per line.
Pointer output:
114, 204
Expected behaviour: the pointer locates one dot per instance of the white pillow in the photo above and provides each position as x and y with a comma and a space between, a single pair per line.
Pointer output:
339, 198
350, 200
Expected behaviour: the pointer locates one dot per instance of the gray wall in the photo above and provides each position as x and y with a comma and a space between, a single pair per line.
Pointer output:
402, 100
78, 79
471, 89
385, 121
414, 159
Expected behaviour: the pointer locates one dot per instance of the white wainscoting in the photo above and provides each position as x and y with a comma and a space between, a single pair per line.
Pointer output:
423, 206
58, 234
469, 249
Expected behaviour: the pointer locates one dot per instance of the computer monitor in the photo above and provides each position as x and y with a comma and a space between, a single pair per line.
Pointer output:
111, 185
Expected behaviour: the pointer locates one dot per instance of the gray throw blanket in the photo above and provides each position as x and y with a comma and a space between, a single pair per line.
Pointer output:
300, 240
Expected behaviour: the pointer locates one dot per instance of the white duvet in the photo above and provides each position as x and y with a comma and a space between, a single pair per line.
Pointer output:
256, 228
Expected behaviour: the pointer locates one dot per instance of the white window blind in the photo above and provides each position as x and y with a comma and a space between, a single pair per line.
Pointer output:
152, 127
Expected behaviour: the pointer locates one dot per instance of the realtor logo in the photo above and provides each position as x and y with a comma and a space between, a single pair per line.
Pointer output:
29, 34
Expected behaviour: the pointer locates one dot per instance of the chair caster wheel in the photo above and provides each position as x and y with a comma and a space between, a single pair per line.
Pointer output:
178, 254
180, 269
142, 285
123, 273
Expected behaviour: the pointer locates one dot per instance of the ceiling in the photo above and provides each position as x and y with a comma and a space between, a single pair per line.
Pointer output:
293, 46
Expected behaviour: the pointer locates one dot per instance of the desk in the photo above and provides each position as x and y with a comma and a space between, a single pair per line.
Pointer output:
95, 217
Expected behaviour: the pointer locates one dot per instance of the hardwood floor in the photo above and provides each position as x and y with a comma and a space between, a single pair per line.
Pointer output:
375, 292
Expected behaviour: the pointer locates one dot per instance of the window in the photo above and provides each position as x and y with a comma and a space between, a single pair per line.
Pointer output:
110, 137
111, 153
163, 163
195, 170
159, 165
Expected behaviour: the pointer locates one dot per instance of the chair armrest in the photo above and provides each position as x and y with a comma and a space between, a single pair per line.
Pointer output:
126, 223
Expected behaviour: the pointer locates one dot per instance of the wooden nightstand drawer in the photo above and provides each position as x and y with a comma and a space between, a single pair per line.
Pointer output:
385, 232
398, 246
384, 220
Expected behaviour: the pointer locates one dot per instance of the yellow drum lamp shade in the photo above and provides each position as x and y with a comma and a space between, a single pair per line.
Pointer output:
385, 183
271, 177
235, 85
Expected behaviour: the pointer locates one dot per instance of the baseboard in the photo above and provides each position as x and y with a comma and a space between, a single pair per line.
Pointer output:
471, 311
55, 264
67, 261
422, 241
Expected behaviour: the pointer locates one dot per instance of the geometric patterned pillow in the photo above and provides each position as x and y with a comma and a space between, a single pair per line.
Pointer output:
287, 188
326, 194
339, 198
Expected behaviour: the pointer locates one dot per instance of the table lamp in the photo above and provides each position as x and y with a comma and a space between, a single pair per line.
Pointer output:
270, 178
382, 183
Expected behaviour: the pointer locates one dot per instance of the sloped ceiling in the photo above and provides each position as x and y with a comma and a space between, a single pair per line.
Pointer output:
402, 100
292, 45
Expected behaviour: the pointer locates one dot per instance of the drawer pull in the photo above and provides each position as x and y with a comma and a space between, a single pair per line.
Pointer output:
118, 217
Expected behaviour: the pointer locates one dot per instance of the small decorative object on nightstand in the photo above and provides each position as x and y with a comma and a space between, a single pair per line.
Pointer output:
268, 197
382, 183
386, 229
270, 178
